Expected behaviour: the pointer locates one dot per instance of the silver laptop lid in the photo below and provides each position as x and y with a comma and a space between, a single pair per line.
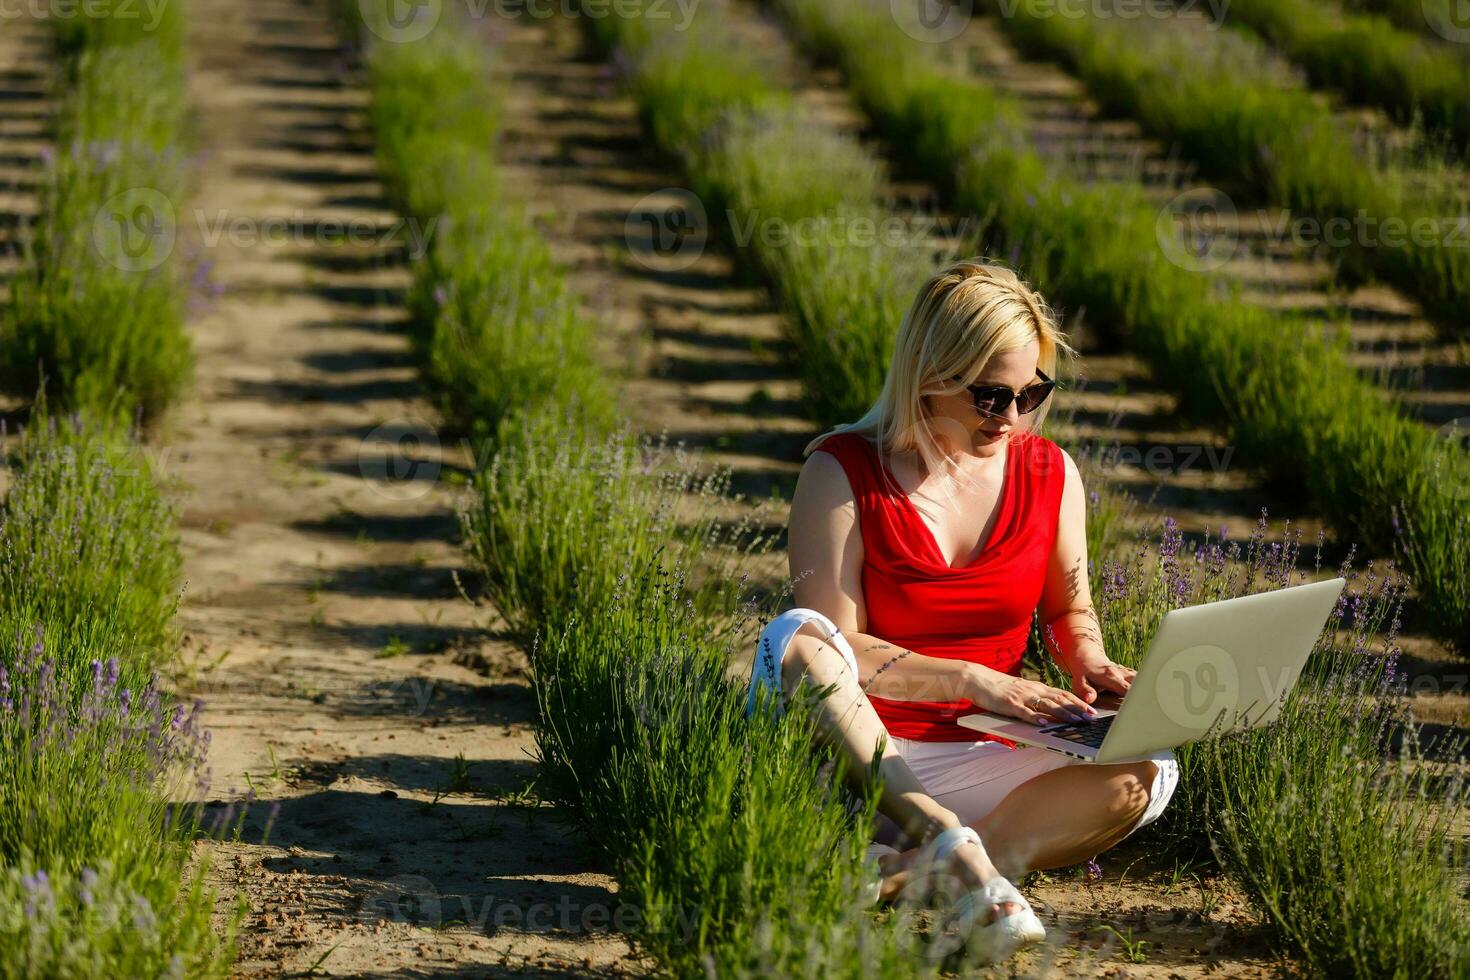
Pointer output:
1227, 664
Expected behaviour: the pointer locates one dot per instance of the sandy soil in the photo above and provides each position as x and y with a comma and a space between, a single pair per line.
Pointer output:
349, 685
24, 108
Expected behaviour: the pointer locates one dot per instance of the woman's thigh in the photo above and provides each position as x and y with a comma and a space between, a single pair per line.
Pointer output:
969, 778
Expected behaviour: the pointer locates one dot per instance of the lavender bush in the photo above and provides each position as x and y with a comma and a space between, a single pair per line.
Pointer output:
96, 311
93, 876
88, 550
1334, 818
493, 319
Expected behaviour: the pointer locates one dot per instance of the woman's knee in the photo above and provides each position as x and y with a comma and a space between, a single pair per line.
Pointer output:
804, 644
1146, 790
1132, 791
813, 659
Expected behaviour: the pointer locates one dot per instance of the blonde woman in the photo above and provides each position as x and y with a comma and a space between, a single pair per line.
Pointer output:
922, 539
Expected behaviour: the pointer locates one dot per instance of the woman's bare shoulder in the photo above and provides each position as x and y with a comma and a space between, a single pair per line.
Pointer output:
822, 484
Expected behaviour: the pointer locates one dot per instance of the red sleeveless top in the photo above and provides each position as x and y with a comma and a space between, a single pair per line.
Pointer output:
979, 612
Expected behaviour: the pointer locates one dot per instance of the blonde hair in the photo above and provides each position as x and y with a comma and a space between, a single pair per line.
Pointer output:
962, 317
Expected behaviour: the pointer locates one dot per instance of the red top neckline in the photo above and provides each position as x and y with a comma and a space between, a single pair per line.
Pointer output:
1002, 507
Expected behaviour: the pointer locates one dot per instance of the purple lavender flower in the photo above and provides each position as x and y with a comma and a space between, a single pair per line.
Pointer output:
38, 893
88, 882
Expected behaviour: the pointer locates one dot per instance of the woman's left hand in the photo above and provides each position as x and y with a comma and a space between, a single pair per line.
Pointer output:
1100, 673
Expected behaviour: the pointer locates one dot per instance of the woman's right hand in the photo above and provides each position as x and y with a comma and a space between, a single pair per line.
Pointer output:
1033, 701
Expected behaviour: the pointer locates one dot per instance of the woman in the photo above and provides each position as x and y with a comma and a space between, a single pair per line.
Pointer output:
922, 539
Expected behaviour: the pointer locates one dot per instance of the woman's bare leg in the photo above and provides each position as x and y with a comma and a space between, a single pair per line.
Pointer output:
846, 720
1029, 831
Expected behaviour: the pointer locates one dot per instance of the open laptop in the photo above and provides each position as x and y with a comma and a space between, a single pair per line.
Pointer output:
1213, 668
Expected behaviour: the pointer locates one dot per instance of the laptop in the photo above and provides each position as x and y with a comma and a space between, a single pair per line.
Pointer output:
1211, 669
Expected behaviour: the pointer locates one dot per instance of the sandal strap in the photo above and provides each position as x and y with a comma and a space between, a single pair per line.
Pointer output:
998, 890
947, 842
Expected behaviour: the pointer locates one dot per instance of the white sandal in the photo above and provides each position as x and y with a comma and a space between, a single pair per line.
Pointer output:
995, 941
873, 889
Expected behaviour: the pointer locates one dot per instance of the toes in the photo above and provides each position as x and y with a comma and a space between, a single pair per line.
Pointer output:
1002, 910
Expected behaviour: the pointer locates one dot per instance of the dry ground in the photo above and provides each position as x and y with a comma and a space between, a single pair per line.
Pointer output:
348, 683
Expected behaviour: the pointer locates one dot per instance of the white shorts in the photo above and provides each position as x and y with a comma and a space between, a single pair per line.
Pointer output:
971, 778
968, 778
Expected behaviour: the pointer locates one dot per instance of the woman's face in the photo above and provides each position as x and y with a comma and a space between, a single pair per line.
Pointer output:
954, 416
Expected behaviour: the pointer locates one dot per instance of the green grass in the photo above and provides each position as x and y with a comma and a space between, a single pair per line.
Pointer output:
493, 321
1368, 60
1442, 21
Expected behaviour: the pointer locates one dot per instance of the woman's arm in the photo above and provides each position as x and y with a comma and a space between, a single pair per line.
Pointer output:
825, 555
1075, 639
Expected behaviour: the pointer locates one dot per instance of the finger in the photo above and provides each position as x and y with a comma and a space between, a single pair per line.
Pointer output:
1062, 706
1021, 708
1067, 697
1065, 712
1083, 689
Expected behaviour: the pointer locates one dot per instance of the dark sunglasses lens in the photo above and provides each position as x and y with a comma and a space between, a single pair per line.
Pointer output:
993, 399
1030, 399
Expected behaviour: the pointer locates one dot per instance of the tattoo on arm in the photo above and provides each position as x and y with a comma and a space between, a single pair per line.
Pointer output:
888, 663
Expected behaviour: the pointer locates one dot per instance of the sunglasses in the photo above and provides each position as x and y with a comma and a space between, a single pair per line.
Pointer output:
995, 399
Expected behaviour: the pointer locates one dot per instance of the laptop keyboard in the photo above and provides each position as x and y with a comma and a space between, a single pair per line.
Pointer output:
1089, 733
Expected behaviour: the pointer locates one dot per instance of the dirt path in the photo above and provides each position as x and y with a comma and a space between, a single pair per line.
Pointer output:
322, 614
24, 119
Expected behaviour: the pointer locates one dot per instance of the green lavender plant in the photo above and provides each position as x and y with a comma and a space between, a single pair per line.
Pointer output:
96, 311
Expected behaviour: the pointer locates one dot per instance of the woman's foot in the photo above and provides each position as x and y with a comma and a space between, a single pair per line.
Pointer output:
988, 917
967, 861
